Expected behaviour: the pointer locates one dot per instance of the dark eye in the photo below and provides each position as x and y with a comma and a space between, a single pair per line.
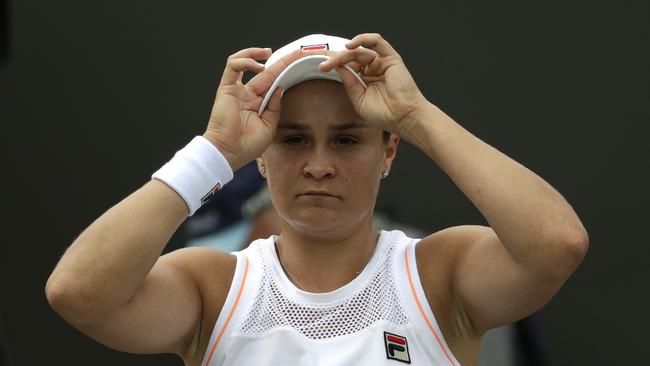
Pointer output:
295, 140
346, 140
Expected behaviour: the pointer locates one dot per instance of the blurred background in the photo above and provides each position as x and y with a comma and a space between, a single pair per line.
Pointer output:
95, 96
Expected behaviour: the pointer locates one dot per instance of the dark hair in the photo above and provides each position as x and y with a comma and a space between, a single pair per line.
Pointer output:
386, 136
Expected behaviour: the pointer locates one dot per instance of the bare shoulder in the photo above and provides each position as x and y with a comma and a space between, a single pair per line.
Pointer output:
439, 252
200, 260
212, 271
454, 239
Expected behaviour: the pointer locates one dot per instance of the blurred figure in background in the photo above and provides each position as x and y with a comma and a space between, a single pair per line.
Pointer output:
230, 224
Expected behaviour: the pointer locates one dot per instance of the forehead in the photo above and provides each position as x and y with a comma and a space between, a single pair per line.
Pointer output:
317, 101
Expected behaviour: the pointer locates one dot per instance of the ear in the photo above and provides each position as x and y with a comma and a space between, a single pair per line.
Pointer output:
390, 151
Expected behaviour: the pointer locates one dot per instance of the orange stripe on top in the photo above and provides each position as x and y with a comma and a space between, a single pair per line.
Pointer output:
232, 311
417, 301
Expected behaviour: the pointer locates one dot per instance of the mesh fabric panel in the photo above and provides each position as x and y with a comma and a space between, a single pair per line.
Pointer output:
375, 300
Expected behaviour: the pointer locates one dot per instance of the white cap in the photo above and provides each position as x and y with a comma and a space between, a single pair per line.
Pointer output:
306, 68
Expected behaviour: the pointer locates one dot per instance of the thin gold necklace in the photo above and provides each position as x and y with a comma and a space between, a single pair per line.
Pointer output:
293, 279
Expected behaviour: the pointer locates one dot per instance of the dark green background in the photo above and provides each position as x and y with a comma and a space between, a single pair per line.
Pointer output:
97, 95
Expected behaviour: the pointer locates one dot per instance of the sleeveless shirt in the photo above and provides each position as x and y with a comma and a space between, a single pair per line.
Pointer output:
381, 317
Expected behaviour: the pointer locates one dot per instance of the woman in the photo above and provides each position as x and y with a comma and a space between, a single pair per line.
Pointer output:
329, 289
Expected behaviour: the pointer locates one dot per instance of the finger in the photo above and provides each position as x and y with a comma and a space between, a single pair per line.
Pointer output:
361, 56
319, 52
271, 113
261, 82
352, 86
255, 53
354, 65
374, 41
235, 69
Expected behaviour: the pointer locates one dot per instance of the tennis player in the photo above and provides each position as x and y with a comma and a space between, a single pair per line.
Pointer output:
323, 119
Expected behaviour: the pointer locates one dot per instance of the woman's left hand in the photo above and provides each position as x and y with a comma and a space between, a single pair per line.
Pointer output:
392, 97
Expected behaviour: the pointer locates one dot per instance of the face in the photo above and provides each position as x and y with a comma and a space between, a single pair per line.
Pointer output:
324, 165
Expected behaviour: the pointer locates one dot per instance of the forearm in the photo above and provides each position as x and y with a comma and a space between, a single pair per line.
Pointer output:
105, 266
533, 221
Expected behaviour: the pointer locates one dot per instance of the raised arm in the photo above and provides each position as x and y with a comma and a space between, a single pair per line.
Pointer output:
500, 273
504, 272
112, 283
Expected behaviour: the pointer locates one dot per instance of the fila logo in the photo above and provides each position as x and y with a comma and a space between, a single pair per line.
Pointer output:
314, 47
397, 348
210, 194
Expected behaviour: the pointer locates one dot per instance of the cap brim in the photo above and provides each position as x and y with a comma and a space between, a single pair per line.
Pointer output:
303, 69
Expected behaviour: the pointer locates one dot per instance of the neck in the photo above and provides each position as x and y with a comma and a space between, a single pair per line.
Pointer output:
325, 263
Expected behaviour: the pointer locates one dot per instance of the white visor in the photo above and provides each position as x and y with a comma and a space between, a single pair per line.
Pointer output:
305, 68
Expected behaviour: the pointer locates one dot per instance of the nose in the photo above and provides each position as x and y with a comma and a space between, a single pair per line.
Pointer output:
319, 164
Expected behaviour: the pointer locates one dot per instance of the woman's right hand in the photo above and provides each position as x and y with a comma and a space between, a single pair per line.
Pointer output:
235, 128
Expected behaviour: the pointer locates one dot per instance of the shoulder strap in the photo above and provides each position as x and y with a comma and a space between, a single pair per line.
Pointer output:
419, 298
229, 307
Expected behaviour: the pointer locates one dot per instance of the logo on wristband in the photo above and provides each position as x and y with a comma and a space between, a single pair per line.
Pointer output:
208, 196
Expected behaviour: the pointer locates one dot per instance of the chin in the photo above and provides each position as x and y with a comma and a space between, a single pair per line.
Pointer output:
319, 221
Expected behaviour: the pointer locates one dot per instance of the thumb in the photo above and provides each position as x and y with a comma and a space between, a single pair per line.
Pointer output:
352, 86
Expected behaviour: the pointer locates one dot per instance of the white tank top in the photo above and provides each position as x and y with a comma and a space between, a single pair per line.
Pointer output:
382, 317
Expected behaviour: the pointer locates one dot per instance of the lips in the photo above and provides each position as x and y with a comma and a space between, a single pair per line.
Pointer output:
317, 193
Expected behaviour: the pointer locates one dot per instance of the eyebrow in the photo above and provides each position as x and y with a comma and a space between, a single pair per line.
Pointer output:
305, 127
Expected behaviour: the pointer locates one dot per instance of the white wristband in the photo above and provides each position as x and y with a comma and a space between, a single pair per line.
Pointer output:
196, 172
